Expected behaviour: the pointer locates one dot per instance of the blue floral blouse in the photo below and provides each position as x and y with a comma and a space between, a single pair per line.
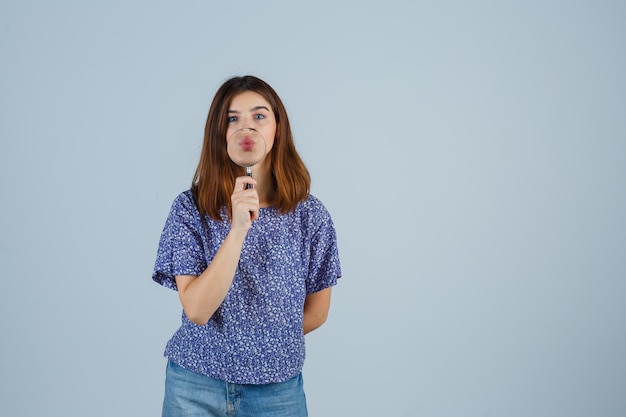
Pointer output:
255, 336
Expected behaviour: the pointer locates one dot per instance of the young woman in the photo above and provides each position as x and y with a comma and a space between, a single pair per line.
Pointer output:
253, 268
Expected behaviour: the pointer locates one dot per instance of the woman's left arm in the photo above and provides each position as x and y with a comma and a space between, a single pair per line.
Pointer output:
316, 306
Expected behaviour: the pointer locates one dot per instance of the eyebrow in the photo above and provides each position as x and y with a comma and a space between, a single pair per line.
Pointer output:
251, 110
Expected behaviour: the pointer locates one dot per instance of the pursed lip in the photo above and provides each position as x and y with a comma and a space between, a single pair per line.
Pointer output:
246, 143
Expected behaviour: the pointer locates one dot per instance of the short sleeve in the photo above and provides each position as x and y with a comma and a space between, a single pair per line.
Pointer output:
180, 250
324, 266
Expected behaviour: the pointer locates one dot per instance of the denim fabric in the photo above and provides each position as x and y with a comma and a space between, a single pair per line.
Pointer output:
188, 394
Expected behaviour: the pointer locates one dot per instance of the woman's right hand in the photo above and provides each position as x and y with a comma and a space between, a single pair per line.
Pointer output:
245, 203
202, 295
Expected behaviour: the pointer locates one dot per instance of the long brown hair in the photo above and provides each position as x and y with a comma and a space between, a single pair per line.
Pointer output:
214, 180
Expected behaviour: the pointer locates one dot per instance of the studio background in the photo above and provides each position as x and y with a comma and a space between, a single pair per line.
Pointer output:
472, 155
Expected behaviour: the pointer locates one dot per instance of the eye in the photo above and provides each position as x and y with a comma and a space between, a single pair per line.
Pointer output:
232, 119
259, 116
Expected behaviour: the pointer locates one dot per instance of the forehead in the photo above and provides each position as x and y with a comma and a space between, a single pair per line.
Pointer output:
248, 100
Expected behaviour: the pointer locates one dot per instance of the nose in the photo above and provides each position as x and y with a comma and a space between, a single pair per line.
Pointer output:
247, 122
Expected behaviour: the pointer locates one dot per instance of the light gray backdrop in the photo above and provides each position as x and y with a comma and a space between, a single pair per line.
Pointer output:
472, 154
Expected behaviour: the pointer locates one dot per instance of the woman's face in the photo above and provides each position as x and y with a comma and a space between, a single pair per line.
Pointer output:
251, 110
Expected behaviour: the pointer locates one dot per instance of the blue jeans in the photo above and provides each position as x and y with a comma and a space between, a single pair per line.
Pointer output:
188, 394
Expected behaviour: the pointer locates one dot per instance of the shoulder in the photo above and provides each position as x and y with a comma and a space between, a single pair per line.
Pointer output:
184, 203
314, 210
312, 204
184, 210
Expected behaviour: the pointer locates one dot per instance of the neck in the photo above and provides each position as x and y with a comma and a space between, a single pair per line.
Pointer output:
264, 187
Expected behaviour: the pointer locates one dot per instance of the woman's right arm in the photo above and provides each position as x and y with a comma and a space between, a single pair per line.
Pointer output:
202, 295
